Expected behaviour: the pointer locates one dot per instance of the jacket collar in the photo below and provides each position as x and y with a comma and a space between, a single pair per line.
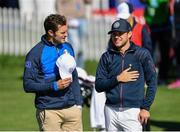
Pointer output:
112, 48
43, 39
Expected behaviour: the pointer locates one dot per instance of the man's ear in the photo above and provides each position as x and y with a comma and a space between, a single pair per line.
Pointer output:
131, 20
50, 33
129, 34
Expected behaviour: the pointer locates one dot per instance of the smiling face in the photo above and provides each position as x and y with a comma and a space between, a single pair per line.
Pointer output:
121, 40
56, 27
60, 35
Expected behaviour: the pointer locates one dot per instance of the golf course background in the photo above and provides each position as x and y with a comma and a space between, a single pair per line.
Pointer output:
17, 111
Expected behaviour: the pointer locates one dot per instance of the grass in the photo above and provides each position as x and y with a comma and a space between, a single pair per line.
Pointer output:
17, 111
165, 110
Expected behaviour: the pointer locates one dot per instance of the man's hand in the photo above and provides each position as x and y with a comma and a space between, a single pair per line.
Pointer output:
127, 75
64, 83
143, 116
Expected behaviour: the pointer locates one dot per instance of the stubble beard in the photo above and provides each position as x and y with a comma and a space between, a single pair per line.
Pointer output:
120, 47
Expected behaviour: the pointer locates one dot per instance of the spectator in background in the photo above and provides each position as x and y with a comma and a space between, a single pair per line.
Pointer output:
1, 3
138, 11
26, 9
9, 4
136, 3
175, 19
113, 3
58, 100
38, 8
44, 8
100, 4
76, 15
140, 32
157, 15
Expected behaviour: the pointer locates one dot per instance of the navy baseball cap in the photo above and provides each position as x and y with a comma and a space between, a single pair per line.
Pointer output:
120, 25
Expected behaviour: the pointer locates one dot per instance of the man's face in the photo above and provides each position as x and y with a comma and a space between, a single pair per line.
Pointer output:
60, 35
120, 39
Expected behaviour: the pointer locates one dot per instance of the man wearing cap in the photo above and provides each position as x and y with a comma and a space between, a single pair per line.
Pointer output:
122, 73
50, 73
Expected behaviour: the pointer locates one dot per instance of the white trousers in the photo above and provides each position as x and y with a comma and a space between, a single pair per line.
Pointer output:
97, 109
122, 119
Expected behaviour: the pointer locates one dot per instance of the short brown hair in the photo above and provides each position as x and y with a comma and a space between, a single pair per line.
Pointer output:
52, 21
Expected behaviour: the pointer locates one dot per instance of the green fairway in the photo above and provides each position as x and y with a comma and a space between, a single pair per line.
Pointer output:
17, 111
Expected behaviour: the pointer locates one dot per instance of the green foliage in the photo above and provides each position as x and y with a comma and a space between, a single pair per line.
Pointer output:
91, 66
17, 111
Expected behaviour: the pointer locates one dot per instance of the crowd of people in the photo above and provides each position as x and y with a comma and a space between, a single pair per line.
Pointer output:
127, 74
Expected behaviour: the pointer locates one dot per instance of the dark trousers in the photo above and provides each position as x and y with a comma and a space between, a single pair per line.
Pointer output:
177, 53
163, 40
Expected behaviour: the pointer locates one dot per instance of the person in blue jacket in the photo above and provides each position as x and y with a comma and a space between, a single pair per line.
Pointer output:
58, 101
122, 73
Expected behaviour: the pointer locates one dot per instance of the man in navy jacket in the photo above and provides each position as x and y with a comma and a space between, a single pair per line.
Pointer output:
57, 100
122, 73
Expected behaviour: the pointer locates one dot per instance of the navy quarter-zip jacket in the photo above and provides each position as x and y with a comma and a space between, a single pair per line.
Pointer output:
41, 75
127, 94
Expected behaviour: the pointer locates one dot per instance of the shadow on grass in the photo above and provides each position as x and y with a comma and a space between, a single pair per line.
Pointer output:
166, 125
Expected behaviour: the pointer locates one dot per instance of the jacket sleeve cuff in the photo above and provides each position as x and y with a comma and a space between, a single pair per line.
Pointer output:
146, 108
55, 86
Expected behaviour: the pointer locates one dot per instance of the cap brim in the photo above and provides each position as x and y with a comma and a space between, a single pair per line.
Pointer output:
110, 32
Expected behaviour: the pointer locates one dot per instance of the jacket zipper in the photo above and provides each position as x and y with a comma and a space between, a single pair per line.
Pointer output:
121, 89
57, 51
121, 86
